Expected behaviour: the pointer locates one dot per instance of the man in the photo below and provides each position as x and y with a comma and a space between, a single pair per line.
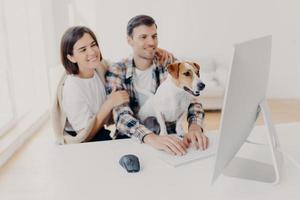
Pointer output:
144, 70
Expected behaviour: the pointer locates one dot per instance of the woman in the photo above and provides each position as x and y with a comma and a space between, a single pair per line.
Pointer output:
82, 106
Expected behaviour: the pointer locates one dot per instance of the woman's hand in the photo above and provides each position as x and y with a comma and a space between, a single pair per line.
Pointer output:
117, 98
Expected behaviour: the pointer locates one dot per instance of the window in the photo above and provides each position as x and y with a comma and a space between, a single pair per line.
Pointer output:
24, 84
7, 104
29, 55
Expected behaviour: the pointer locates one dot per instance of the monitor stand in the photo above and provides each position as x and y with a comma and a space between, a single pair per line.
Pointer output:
255, 170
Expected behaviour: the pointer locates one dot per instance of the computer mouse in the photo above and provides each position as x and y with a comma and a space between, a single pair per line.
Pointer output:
130, 162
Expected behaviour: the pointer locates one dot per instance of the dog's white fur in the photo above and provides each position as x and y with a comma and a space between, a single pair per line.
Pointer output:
171, 101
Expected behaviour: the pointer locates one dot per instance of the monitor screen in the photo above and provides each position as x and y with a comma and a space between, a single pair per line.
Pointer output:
246, 89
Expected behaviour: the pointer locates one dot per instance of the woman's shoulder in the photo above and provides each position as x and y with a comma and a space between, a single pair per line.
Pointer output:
72, 85
70, 80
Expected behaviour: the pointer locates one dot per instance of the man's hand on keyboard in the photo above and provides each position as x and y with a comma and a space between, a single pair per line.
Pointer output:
196, 138
168, 143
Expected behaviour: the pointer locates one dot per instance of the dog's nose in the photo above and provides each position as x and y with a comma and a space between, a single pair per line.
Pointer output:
200, 86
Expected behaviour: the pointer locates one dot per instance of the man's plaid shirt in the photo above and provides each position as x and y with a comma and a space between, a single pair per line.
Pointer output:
120, 76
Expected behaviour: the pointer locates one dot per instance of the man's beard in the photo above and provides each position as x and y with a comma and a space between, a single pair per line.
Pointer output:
148, 56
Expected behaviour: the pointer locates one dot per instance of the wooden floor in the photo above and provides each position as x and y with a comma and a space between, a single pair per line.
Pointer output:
282, 111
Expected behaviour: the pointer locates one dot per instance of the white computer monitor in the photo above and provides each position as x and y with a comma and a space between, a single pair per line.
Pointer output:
245, 97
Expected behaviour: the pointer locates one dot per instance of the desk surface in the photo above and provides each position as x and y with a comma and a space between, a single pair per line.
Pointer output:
91, 171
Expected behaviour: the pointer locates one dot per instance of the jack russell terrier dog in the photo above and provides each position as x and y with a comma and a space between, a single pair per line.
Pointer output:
172, 98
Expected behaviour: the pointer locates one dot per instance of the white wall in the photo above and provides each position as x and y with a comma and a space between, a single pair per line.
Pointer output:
205, 28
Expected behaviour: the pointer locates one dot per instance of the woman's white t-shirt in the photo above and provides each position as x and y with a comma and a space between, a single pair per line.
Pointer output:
81, 100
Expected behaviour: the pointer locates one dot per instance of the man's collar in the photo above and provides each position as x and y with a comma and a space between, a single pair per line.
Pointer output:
129, 67
129, 62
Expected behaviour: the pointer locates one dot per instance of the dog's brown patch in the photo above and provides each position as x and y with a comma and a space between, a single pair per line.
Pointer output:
173, 69
196, 67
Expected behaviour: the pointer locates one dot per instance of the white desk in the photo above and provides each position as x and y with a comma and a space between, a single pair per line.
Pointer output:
91, 171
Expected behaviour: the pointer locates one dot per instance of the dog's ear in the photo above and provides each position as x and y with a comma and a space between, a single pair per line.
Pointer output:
196, 66
173, 69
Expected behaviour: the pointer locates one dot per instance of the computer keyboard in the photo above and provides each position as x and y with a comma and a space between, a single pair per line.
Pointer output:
192, 154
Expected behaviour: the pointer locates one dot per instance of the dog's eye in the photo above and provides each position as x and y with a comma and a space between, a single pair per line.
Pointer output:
188, 73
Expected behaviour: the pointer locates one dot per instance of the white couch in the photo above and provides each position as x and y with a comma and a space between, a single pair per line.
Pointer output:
214, 75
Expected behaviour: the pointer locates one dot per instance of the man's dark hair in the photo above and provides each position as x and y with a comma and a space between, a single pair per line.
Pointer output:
138, 21
70, 37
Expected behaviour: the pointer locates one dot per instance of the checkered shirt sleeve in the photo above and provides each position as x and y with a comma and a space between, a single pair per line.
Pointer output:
123, 115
